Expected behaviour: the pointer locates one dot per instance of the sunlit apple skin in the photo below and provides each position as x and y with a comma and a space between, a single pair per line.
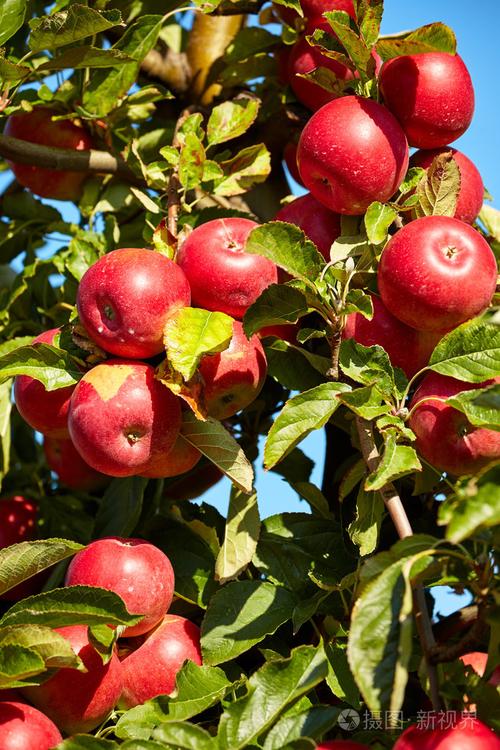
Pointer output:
38, 127
79, 701
445, 437
44, 411
290, 158
471, 195
319, 224
18, 517
134, 569
121, 418
437, 272
125, 299
407, 348
72, 471
233, 378
477, 660
183, 457
221, 274
432, 96
312, 8
352, 152
23, 727
341, 745
468, 734
152, 668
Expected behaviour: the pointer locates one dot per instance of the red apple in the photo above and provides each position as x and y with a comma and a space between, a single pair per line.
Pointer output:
44, 411
183, 457
407, 348
445, 437
125, 298
341, 745
285, 331
65, 461
352, 152
471, 195
477, 660
468, 734
121, 418
312, 8
79, 701
18, 516
233, 378
319, 224
134, 569
194, 484
437, 272
152, 668
222, 276
290, 158
38, 127
432, 96
24, 728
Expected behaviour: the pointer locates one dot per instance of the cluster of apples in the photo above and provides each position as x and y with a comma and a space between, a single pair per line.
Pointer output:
143, 665
436, 272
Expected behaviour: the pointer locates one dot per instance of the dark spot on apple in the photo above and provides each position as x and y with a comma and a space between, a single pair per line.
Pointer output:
451, 251
109, 312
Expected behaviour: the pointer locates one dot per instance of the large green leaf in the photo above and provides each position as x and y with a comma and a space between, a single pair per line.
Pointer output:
435, 37
21, 561
231, 119
287, 246
69, 26
12, 14
312, 722
51, 366
277, 304
84, 57
470, 352
397, 461
193, 332
476, 506
378, 219
183, 736
439, 188
120, 507
53, 648
481, 406
368, 365
240, 536
365, 528
18, 664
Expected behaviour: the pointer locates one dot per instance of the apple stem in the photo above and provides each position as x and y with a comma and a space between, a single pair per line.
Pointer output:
400, 519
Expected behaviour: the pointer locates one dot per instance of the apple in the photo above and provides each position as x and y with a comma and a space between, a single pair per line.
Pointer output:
286, 331
222, 276
195, 483
38, 127
152, 668
407, 348
125, 299
18, 517
23, 727
319, 224
471, 195
445, 437
341, 745
183, 457
65, 461
312, 8
134, 569
290, 159
352, 152
234, 377
431, 95
44, 411
468, 734
477, 661
79, 701
121, 418
437, 272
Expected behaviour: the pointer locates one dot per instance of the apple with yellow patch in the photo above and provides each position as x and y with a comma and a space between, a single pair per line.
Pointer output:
121, 418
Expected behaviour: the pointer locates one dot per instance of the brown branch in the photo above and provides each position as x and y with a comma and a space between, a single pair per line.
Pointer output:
65, 159
455, 623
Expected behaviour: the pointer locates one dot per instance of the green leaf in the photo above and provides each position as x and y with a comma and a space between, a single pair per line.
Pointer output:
413, 177
9, 72
231, 119
240, 615
85, 57
12, 14
69, 26
51, 366
481, 406
294, 367
270, 690
475, 507
5, 431
277, 304
308, 411
84, 605
435, 37
340, 679
18, 664
314, 497
397, 461
439, 188
490, 217
313, 722
359, 52
470, 352
184, 736
120, 507
250, 166
288, 247
191, 162
369, 19
368, 365
21, 561
366, 402
103, 639
191, 333
52, 648
365, 529
378, 219
86, 742
240, 536
214, 441
197, 689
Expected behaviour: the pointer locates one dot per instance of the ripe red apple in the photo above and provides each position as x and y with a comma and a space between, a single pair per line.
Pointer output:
233, 378
471, 195
18, 516
319, 224
222, 276
286, 331
468, 734
312, 8
151, 669
194, 484
44, 411
432, 96
24, 728
341, 745
290, 158
134, 569
352, 152
437, 272
65, 461
121, 418
477, 660
79, 701
445, 437
407, 348
38, 127
126, 297
183, 457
